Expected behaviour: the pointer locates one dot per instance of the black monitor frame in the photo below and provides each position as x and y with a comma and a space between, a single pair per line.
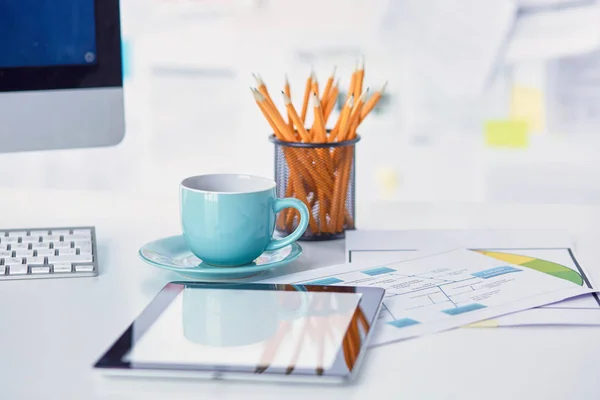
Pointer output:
105, 72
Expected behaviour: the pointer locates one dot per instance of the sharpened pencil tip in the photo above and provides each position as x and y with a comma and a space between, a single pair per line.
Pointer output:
315, 100
334, 70
362, 66
286, 99
363, 96
258, 79
383, 87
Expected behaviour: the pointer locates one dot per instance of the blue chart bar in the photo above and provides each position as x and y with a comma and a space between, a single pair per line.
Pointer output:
325, 281
464, 309
401, 323
492, 272
378, 271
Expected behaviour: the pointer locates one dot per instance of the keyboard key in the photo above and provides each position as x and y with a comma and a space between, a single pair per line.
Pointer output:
40, 245
79, 243
84, 267
9, 239
84, 232
19, 246
67, 252
51, 238
87, 249
61, 232
13, 260
35, 260
38, 233
3, 246
61, 245
41, 269
17, 233
17, 270
5, 253
23, 253
2, 269
45, 252
30, 239
78, 237
62, 267
82, 258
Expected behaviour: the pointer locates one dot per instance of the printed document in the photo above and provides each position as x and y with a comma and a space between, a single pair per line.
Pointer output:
444, 290
548, 251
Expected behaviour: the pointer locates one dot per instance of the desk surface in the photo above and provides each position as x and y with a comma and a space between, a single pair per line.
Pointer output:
51, 331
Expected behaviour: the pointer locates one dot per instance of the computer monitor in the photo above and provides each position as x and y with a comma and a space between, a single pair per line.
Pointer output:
61, 83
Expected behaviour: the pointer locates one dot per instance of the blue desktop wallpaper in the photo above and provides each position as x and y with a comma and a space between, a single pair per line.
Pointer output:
37, 33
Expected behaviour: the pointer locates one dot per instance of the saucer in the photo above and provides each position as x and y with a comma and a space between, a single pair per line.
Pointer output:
172, 253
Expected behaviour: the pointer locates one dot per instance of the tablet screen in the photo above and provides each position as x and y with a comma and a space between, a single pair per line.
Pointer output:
224, 329
248, 328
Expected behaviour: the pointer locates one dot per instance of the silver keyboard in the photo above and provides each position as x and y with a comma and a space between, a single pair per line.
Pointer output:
48, 253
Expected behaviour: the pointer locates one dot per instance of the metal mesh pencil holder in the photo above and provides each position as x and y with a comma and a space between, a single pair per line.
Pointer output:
322, 176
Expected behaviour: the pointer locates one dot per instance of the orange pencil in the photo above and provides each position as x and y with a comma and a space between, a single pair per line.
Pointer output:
315, 84
372, 102
305, 100
360, 76
354, 117
318, 125
257, 98
275, 117
328, 86
331, 102
344, 117
262, 88
353, 80
295, 118
288, 93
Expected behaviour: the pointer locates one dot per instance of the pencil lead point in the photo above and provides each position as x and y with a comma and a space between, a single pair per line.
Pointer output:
383, 87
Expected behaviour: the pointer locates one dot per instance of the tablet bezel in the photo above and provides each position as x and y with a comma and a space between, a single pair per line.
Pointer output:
112, 361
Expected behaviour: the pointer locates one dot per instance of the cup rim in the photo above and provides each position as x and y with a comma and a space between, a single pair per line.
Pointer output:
272, 184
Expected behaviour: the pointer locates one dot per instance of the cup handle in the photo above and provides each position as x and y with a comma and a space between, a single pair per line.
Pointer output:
280, 204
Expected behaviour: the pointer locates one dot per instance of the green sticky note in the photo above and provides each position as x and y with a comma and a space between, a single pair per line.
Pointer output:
506, 133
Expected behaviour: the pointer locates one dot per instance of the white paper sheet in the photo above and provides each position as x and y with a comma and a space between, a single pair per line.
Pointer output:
443, 290
549, 246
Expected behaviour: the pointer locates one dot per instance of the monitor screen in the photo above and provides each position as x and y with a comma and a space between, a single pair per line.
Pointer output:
40, 33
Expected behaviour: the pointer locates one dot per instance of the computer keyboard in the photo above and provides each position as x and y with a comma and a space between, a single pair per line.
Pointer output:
48, 253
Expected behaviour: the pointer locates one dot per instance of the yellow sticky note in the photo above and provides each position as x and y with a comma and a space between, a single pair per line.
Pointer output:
506, 133
527, 103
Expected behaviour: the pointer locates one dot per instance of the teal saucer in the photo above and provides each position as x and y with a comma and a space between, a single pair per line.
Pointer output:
172, 253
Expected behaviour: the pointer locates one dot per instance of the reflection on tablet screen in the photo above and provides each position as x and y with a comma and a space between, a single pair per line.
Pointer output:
278, 329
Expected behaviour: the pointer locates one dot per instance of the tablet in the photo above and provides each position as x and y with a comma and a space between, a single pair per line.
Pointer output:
248, 331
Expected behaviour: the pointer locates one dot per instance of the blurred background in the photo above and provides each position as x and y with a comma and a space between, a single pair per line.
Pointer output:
487, 101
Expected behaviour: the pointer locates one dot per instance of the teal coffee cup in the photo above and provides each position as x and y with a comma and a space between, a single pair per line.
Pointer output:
228, 219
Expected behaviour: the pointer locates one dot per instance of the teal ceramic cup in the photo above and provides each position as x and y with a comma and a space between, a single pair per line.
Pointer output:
229, 219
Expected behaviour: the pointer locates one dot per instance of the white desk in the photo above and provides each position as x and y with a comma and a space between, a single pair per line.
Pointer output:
51, 331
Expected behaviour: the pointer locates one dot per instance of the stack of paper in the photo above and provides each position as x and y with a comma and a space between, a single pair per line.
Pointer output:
427, 293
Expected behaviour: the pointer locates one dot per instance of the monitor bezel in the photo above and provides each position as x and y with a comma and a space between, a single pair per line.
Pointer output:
106, 72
